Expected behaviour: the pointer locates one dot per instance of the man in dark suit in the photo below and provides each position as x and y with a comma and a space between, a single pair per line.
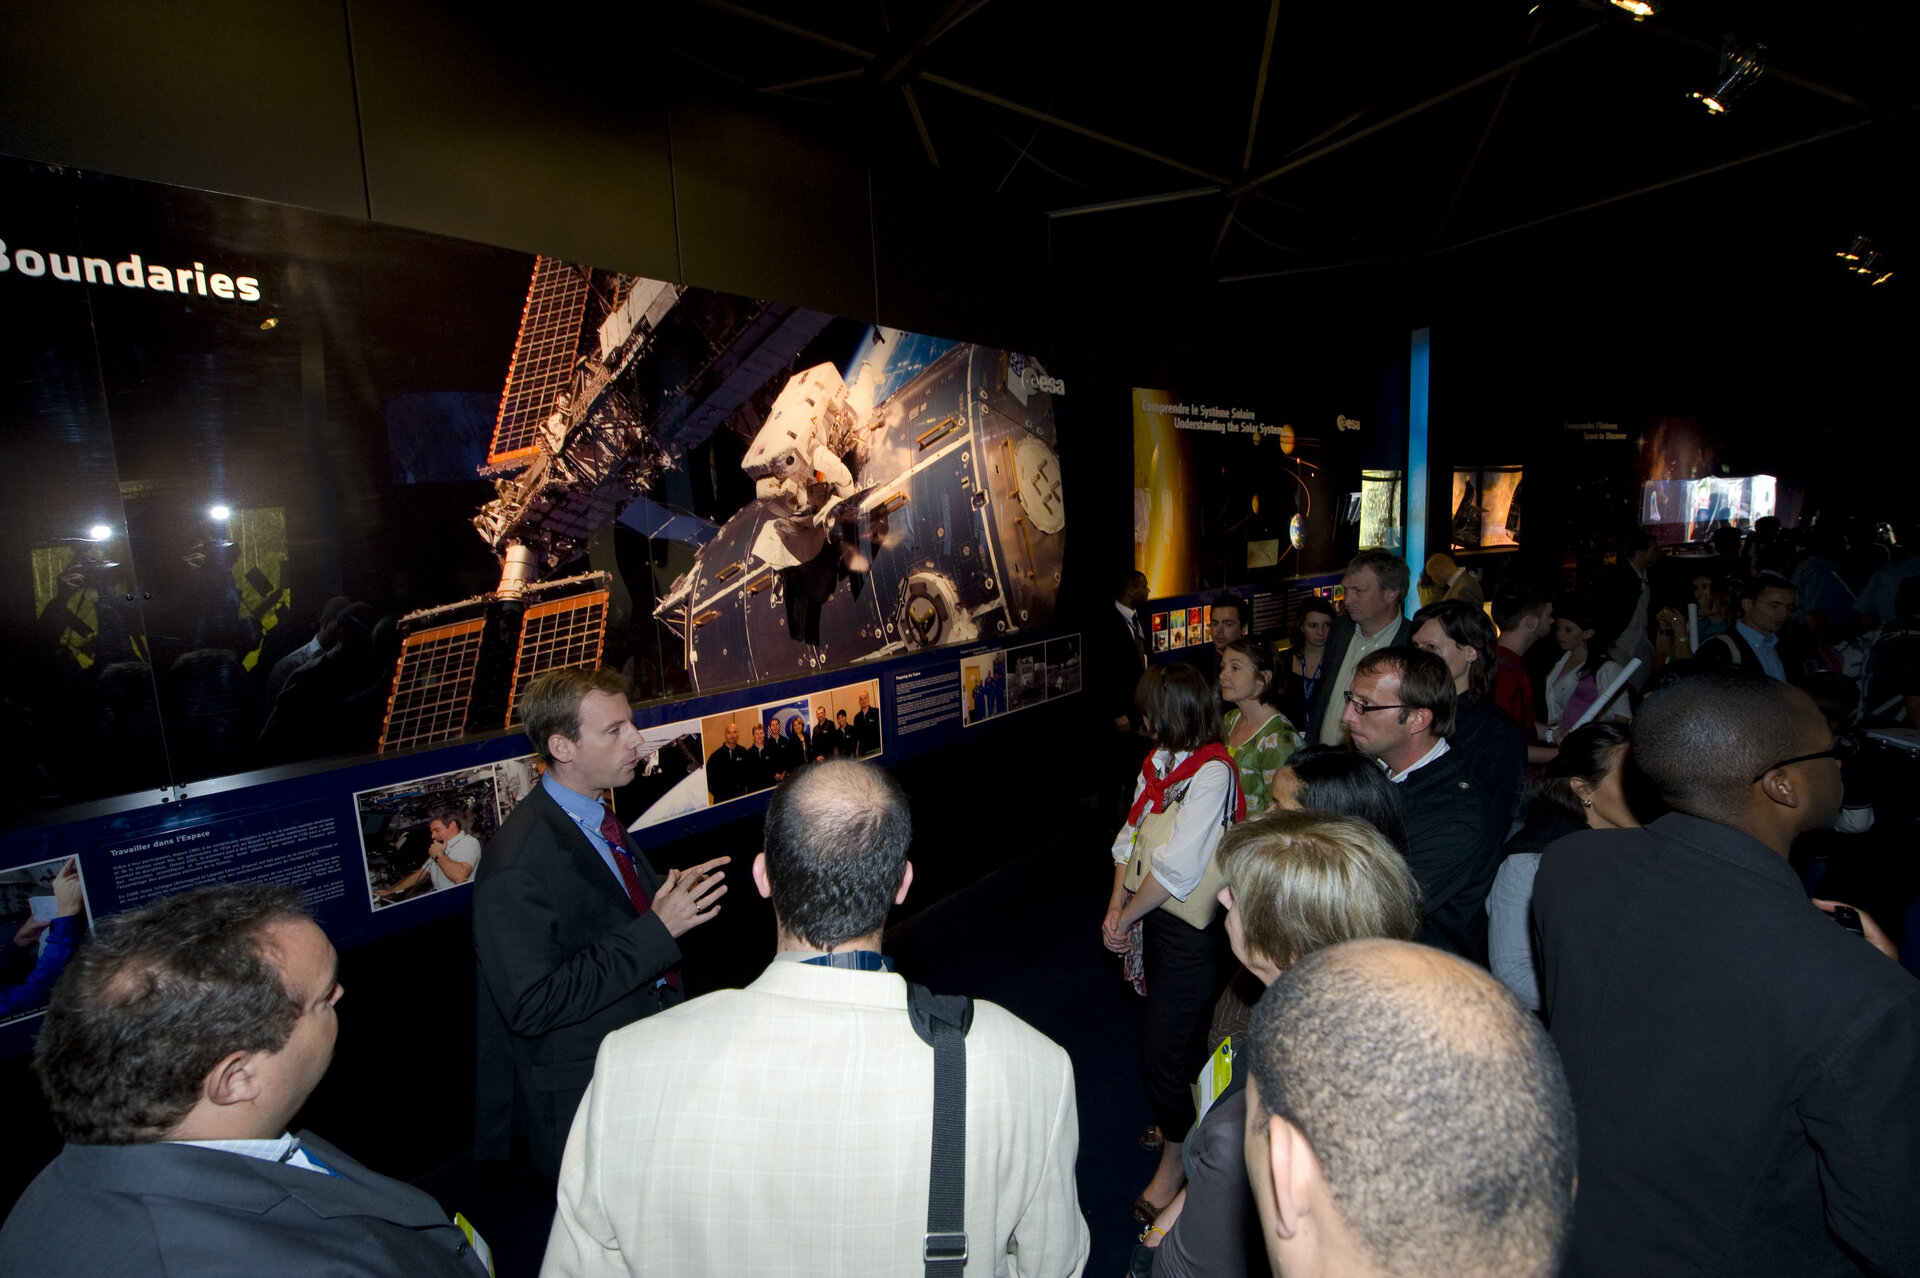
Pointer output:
866, 727
575, 933
180, 1043
759, 761
1626, 605
1115, 654
1229, 623
1376, 592
782, 751
728, 770
1401, 710
1752, 643
1747, 1074
826, 737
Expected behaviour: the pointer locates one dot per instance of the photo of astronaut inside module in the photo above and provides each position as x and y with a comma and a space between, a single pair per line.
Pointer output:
426, 836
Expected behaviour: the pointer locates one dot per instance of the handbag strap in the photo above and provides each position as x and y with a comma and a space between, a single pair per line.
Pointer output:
942, 1021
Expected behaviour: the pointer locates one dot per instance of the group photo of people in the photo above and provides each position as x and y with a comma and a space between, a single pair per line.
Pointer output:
756, 747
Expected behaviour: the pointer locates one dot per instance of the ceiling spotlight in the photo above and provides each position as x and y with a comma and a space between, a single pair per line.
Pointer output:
1740, 66
219, 512
1862, 259
99, 532
1640, 9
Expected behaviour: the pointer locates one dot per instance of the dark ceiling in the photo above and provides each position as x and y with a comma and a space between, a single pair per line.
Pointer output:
1257, 139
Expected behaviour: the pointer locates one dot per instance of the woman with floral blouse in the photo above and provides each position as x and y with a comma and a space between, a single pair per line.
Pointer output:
1259, 737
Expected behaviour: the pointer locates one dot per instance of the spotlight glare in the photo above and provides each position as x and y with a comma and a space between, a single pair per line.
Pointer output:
219, 512
99, 532
1740, 66
1883, 279
1641, 10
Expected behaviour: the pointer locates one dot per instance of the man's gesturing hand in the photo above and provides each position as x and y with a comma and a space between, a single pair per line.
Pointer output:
690, 897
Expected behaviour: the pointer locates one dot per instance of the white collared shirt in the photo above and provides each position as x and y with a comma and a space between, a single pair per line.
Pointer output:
278, 1149
1440, 747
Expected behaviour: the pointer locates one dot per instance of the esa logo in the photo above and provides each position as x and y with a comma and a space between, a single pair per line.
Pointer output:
1345, 423
1037, 381
1025, 374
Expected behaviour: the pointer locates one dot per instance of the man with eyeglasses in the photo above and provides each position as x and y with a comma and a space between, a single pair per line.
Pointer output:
1747, 1074
1400, 710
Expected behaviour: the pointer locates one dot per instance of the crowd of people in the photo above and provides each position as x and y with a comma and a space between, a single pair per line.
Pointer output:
1546, 817
1451, 963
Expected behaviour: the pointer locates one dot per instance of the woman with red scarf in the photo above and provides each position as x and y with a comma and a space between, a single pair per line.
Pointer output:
1163, 914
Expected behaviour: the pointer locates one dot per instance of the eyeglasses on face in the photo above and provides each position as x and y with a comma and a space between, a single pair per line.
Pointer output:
1843, 747
1366, 707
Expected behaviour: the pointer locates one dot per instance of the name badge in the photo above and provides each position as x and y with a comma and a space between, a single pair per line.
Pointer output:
474, 1240
1215, 1075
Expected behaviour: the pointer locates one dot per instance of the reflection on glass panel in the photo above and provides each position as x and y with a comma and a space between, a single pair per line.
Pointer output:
79, 711
315, 444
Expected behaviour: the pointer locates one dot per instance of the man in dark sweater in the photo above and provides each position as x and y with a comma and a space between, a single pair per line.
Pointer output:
1400, 710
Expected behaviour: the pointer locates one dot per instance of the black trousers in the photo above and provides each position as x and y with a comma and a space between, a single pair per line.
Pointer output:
1184, 974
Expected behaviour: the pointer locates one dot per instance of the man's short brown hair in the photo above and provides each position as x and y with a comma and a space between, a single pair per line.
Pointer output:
551, 703
1389, 569
1425, 684
155, 1000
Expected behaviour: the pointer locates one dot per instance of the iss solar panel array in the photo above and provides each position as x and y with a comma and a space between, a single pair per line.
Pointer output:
433, 686
543, 357
558, 635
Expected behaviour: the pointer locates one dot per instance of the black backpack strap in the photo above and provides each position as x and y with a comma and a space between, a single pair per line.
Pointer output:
942, 1021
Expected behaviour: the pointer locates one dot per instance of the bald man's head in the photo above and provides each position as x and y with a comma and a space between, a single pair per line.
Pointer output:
836, 851
1438, 1118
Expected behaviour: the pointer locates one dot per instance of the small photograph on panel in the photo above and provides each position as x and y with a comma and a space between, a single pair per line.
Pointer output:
1193, 635
43, 909
427, 835
787, 736
735, 745
1159, 623
1026, 676
1177, 628
983, 687
671, 780
1063, 666
864, 717
846, 722
1159, 641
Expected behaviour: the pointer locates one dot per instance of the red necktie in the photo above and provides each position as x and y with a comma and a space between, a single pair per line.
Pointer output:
616, 837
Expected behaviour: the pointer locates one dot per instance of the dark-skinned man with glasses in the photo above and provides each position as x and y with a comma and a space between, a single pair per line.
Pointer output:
1746, 1073
1400, 710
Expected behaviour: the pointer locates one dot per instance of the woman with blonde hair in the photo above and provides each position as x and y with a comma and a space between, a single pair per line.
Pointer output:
1296, 882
